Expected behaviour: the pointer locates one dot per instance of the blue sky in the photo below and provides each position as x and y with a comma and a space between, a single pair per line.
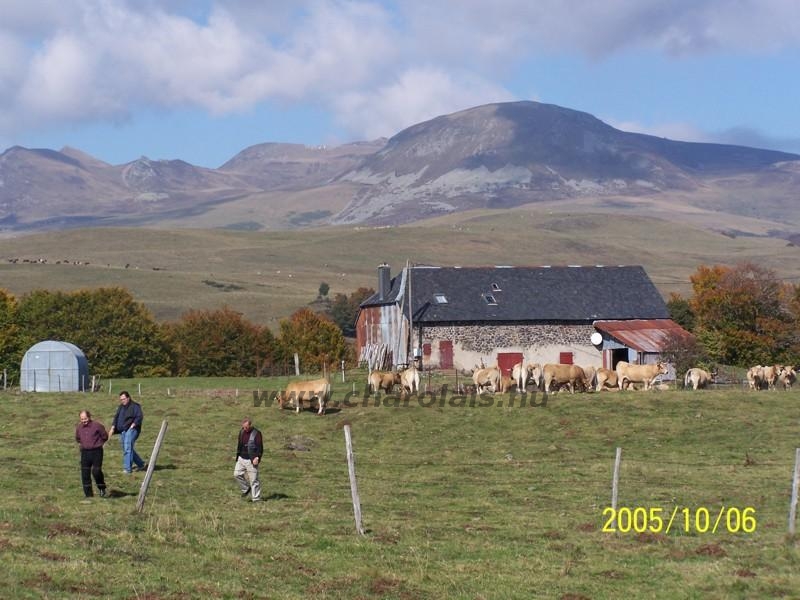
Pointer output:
201, 81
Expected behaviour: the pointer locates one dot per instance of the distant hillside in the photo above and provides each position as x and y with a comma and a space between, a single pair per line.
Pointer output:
498, 156
505, 155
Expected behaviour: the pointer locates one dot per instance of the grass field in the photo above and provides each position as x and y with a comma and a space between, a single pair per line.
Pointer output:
490, 501
269, 275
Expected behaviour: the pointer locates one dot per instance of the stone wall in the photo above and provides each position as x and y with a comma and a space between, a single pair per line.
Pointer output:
473, 344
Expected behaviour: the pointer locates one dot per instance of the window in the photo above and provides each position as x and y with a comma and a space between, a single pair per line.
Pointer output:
490, 300
496, 288
440, 298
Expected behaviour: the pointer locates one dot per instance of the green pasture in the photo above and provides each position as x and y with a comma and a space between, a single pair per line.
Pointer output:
461, 498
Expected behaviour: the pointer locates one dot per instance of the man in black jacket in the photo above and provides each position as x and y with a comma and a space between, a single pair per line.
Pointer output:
128, 424
248, 458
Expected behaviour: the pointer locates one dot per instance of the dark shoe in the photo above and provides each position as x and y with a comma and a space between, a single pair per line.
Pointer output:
246, 493
103, 493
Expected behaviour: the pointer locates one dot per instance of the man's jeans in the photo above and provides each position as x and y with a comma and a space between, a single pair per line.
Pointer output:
129, 455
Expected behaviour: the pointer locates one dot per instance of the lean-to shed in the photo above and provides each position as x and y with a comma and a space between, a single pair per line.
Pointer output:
53, 366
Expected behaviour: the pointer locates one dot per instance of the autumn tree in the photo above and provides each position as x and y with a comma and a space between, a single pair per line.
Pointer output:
743, 314
118, 335
314, 337
219, 343
10, 348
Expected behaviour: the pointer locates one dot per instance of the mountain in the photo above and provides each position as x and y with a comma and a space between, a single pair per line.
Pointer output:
518, 155
505, 155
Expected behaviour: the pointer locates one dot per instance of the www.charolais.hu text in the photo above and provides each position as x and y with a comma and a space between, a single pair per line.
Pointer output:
443, 398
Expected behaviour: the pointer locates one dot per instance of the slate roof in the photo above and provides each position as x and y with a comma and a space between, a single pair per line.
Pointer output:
563, 293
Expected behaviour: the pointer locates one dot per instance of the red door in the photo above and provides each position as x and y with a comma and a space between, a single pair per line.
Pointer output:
445, 354
507, 360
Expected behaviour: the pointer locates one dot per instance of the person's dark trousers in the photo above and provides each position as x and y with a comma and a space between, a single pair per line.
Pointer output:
92, 466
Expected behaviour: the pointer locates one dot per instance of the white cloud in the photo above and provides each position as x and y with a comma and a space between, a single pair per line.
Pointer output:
381, 64
415, 95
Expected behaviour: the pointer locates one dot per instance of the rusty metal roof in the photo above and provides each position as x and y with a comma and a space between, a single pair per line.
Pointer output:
644, 335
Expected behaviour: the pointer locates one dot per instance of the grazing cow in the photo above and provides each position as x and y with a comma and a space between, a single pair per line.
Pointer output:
755, 377
483, 378
559, 374
697, 378
297, 392
605, 377
770, 376
409, 380
506, 383
521, 376
383, 380
645, 374
588, 377
787, 377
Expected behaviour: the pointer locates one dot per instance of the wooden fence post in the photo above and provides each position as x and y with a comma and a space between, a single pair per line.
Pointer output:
351, 469
793, 504
615, 484
151, 466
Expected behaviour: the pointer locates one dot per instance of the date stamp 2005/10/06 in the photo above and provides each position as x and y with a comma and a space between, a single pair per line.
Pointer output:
655, 519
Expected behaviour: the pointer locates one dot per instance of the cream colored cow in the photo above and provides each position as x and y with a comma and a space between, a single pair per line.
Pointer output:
298, 392
644, 374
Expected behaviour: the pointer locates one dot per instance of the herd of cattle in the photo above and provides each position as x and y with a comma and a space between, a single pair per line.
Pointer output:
548, 377
553, 377
770, 377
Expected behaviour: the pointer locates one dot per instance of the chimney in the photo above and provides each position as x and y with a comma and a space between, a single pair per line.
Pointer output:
384, 281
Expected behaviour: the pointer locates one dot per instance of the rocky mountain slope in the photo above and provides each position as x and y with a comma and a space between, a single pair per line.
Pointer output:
500, 156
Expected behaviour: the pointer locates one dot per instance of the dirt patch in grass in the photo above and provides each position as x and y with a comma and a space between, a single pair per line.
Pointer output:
383, 586
553, 535
612, 574
711, 550
587, 527
647, 537
386, 537
64, 529
53, 556
744, 573
571, 596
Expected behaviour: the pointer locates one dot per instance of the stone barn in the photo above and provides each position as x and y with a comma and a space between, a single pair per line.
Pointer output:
53, 366
462, 317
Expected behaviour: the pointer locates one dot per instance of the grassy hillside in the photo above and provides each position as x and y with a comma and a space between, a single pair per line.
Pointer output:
485, 502
267, 275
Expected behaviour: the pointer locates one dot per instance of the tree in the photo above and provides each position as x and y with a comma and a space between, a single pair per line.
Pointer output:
684, 353
680, 311
219, 342
10, 348
344, 309
118, 335
314, 337
743, 314
324, 288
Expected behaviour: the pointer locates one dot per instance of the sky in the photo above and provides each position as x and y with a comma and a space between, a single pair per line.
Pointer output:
201, 80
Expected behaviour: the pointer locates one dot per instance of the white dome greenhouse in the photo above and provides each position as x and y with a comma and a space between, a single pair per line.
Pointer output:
53, 366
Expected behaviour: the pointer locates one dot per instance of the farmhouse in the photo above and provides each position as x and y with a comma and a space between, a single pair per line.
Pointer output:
462, 317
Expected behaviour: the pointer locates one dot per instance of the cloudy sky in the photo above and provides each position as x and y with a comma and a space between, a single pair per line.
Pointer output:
201, 80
